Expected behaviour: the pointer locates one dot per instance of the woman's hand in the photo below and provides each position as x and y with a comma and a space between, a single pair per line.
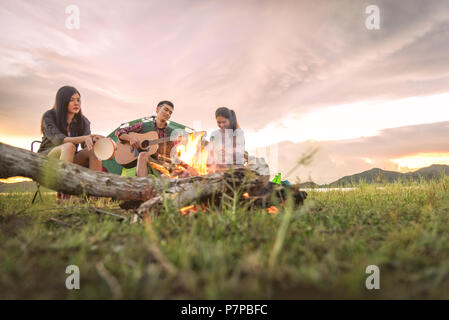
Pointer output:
89, 143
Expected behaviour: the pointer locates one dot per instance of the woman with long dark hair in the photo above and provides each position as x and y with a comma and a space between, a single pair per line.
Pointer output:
64, 127
228, 143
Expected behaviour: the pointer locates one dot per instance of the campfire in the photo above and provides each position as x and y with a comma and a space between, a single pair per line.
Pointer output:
190, 160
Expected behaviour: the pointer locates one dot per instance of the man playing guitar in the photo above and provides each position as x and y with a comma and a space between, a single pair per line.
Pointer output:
164, 111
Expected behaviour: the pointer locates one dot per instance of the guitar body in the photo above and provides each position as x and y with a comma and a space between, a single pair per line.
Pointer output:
126, 154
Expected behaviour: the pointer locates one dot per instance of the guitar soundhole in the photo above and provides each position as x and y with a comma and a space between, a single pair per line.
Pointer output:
145, 144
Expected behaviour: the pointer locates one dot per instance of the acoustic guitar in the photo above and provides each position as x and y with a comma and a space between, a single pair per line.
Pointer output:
126, 155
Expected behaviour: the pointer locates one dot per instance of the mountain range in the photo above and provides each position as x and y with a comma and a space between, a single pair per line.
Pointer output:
380, 176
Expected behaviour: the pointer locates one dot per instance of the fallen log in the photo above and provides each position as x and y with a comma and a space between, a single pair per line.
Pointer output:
71, 178
76, 180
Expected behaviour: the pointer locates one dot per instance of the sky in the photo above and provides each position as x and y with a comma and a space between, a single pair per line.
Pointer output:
300, 75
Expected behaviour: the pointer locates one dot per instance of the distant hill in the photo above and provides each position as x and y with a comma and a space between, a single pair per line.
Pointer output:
374, 175
380, 176
309, 185
429, 173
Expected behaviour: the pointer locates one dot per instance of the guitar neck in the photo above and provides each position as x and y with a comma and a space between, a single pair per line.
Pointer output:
161, 140
166, 139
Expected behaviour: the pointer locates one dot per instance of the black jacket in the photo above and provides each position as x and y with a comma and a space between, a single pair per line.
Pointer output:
53, 137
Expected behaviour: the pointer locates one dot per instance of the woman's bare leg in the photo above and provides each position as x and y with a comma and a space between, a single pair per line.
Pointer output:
65, 151
88, 159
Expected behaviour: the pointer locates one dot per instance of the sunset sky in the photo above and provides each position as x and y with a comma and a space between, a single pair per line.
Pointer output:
299, 74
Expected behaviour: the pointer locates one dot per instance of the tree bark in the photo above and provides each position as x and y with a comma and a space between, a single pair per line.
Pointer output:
77, 180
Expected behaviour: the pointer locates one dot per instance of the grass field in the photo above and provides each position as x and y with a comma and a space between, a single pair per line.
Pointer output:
319, 250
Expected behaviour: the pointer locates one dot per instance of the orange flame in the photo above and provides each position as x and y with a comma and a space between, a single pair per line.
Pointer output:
188, 209
246, 195
192, 208
272, 210
190, 154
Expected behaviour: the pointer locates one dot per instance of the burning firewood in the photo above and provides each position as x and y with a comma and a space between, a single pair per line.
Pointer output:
178, 168
259, 192
199, 189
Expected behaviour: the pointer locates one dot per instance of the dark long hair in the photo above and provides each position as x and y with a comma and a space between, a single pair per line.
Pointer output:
228, 114
42, 119
62, 101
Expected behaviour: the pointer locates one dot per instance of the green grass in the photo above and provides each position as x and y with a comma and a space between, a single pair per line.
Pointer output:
319, 250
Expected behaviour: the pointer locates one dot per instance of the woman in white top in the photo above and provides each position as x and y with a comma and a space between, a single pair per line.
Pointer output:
227, 144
